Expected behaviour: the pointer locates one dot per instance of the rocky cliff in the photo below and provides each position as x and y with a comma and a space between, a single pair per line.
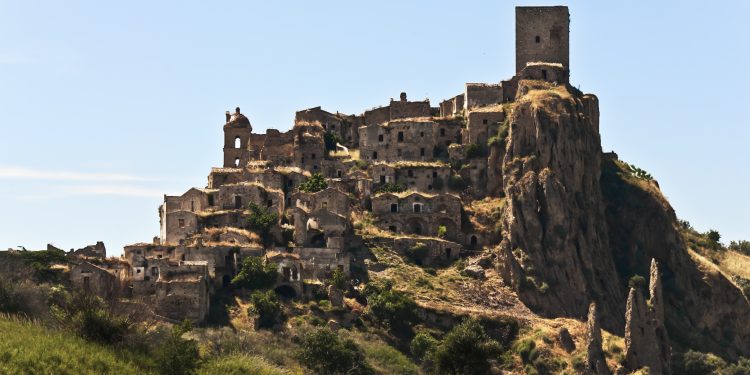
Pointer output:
577, 225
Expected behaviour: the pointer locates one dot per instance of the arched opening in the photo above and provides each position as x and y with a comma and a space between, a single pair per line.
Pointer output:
414, 226
417, 207
473, 241
226, 281
448, 253
237, 162
537, 39
237, 142
285, 291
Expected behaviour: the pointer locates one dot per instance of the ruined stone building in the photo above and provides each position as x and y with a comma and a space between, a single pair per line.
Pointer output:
409, 168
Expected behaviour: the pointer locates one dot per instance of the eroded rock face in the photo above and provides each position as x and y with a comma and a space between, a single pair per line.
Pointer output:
641, 347
555, 250
595, 362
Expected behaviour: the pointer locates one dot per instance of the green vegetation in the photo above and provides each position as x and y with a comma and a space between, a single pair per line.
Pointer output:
325, 353
742, 246
267, 308
9, 300
314, 183
255, 275
41, 262
713, 236
339, 279
88, 316
393, 308
637, 282
442, 231
390, 187
177, 356
475, 151
261, 218
423, 345
240, 365
466, 349
456, 183
638, 172
331, 139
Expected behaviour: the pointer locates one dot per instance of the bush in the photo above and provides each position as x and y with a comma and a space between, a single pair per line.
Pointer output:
261, 218
475, 151
741, 246
393, 308
325, 353
9, 300
442, 231
267, 307
456, 182
88, 316
315, 183
339, 280
422, 345
41, 262
437, 183
177, 356
417, 253
695, 363
255, 275
713, 236
390, 187
466, 349
637, 282
331, 139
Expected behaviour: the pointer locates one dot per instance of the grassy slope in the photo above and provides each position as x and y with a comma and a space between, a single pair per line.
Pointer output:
27, 348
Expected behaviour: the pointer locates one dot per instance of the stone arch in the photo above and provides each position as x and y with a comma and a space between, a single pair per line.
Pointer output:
237, 142
415, 226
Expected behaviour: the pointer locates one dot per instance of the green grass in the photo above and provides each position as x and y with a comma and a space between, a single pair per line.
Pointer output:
26, 348
241, 364
384, 358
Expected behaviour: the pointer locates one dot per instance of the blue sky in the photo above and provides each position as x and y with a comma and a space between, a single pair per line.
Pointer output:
105, 107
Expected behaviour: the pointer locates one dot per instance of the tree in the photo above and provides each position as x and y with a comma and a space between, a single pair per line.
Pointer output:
267, 307
315, 183
422, 345
177, 356
474, 151
466, 349
331, 139
254, 274
390, 187
338, 279
393, 308
442, 231
325, 353
713, 236
261, 219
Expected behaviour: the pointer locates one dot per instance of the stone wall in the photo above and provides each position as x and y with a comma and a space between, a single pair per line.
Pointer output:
542, 35
482, 94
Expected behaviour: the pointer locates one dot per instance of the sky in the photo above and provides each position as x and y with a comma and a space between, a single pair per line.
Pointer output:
106, 107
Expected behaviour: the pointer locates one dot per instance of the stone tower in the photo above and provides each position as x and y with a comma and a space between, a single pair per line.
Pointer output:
542, 35
236, 134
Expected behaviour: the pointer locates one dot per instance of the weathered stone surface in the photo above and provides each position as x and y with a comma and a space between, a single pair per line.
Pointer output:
595, 362
641, 347
565, 340
336, 296
474, 271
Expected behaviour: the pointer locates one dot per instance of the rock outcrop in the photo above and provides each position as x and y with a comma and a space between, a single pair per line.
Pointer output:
595, 362
555, 249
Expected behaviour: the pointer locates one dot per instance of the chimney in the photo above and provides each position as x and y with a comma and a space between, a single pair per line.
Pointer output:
403, 96
237, 110
228, 116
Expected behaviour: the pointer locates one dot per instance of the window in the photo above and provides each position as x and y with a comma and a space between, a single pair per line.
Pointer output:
538, 39
237, 142
410, 173
398, 152
312, 156
237, 162
192, 206
544, 74
375, 155
394, 207
400, 136
417, 208
269, 203
421, 151
421, 134
429, 187
181, 223
434, 174
380, 138
154, 271
484, 121
442, 132
210, 200
333, 127
237, 201
338, 174
325, 205
392, 228
382, 179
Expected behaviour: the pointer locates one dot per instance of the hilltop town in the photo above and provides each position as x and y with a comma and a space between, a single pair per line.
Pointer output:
495, 203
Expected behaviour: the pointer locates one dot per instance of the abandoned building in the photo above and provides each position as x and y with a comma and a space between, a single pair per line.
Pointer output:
409, 168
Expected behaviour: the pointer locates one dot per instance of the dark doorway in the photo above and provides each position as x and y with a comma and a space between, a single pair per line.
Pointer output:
226, 281
237, 201
286, 291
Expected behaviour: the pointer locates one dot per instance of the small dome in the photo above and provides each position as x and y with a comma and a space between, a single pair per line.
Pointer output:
237, 118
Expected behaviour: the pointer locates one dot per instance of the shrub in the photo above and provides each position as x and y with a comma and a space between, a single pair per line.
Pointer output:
417, 253
339, 280
177, 356
475, 151
88, 316
267, 307
695, 363
741, 246
393, 308
9, 300
466, 349
713, 236
637, 282
255, 275
261, 218
456, 182
442, 231
314, 183
422, 345
323, 352
390, 187
41, 262
437, 183
331, 139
